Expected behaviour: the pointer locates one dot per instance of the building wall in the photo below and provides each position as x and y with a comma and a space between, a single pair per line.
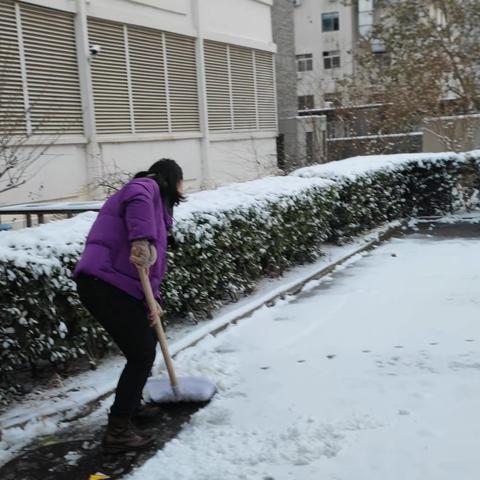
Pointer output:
75, 161
444, 134
309, 38
118, 156
236, 160
286, 67
245, 20
59, 174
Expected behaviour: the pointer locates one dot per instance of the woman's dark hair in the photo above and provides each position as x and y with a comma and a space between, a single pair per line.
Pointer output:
167, 173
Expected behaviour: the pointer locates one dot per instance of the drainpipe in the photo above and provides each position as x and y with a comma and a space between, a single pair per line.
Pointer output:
94, 161
206, 180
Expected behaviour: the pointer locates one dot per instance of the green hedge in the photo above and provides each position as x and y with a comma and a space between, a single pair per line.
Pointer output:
221, 253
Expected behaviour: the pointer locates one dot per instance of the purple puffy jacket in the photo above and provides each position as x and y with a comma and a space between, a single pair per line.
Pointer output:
133, 213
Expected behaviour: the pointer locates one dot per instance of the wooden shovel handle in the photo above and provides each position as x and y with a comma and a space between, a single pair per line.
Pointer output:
162, 339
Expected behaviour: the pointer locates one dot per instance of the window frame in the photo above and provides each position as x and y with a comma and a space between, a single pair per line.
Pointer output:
304, 62
306, 104
330, 22
332, 58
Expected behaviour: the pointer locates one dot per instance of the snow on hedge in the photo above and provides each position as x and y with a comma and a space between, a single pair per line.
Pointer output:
241, 196
360, 166
67, 237
46, 244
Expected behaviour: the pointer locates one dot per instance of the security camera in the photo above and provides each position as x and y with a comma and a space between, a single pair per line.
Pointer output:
95, 50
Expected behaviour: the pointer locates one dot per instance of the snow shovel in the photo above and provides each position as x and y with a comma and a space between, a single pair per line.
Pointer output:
161, 390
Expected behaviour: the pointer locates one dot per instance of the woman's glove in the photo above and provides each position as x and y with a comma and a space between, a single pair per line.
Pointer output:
143, 254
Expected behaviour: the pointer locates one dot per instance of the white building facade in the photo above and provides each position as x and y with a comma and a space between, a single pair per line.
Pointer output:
326, 32
118, 84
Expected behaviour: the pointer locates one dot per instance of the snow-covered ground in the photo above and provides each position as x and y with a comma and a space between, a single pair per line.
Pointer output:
371, 374
44, 412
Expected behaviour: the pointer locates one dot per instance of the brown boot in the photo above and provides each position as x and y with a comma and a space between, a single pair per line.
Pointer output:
147, 412
121, 437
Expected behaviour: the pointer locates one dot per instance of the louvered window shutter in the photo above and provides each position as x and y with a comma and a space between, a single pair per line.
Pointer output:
52, 70
265, 82
182, 83
12, 110
109, 78
147, 72
218, 86
243, 88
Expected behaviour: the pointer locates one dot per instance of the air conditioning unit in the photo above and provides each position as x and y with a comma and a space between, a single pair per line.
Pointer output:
297, 3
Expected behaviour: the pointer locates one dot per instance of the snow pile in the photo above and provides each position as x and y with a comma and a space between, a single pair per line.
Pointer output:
240, 453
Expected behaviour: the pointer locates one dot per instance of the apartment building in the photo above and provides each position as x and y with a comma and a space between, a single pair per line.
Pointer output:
113, 85
325, 35
326, 32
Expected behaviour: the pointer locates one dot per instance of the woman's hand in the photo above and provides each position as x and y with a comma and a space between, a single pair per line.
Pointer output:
143, 254
155, 317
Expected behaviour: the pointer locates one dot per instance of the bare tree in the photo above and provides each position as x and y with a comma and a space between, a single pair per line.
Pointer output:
420, 59
113, 180
23, 141
17, 156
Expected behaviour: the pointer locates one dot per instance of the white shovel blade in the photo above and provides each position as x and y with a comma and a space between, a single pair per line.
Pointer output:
189, 389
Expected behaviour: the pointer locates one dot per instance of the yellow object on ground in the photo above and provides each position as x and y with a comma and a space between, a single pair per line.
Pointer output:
98, 476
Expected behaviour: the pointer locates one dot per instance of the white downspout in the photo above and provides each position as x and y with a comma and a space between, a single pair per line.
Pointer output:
94, 160
206, 180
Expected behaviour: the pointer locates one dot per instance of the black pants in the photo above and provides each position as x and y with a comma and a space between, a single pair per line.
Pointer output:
125, 319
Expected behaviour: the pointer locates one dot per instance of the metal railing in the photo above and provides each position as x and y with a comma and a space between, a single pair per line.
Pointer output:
40, 210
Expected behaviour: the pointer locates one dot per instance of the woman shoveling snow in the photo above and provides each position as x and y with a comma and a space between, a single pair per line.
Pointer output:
129, 240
